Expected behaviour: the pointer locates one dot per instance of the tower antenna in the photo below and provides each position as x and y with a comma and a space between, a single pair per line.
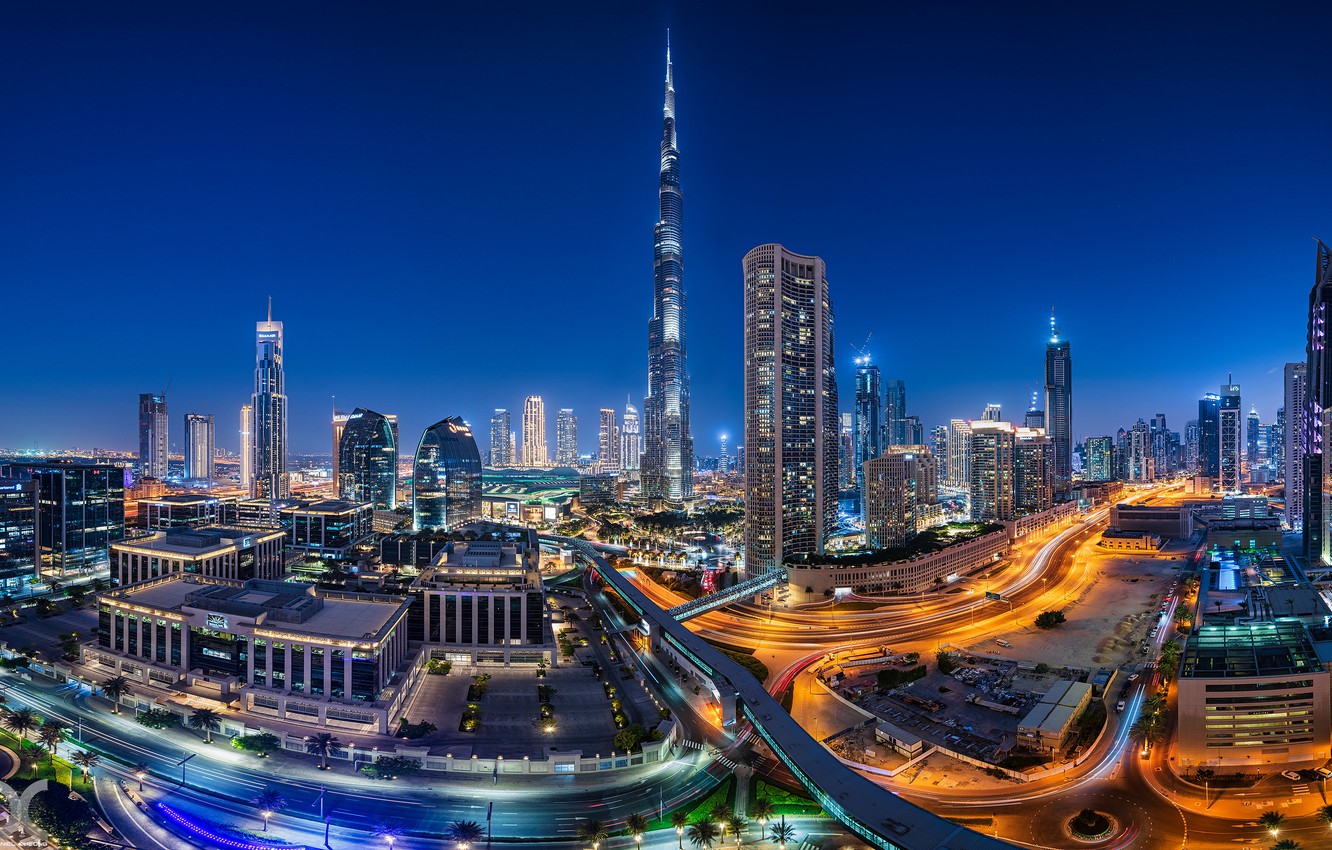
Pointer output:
270, 308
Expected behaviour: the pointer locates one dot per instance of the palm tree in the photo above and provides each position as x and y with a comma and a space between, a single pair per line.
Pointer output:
679, 820
115, 688
762, 809
782, 833
269, 803
325, 746
703, 833
1147, 730
464, 833
140, 770
207, 720
736, 825
86, 760
51, 733
637, 825
1325, 815
719, 810
592, 831
21, 722
390, 831
1271, 821
1286, 844
1154, 704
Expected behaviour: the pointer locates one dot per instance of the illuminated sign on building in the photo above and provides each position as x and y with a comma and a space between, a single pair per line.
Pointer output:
217, 621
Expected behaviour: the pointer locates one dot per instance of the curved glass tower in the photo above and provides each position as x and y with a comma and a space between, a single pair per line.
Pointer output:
668, 449
446, 479
269, 409
368, 460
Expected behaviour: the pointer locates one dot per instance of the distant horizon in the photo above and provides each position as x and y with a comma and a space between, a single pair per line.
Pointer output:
453, 208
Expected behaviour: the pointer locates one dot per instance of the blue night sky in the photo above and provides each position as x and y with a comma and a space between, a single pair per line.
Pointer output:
452, 204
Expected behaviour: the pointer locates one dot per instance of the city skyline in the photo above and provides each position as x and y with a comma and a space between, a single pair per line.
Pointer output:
1264, 250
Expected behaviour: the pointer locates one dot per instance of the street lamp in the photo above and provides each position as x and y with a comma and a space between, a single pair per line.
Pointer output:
140, 775
679, 836
267, 814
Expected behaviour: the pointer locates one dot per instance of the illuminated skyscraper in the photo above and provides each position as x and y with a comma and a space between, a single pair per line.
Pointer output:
608, 442
868, 435
1141, 462
846, 451
790, 408
1209, 436
153, 449
200, 442
270, 413
939, 448
566, 438
724, 458
631, 436
1059, 410
1231, 432
1316, 422
1100, 454
1033, 458
668, 448
992, 413
339, 423
368, 460
534, 432
959, 453
899, 487
1296, 388
894, 414
1251, 450
246, 446
446, 477
992, 472
501, 439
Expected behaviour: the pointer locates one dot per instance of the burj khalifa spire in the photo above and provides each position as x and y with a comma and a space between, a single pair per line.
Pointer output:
668, 448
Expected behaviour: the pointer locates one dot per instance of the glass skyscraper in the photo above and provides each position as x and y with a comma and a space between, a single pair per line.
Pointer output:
446, 478
200, 440
791, 417
368, 460
1316, 423
868, 435
80, 513
18, 548
153, 449
1059, 411
668, 449
269, 409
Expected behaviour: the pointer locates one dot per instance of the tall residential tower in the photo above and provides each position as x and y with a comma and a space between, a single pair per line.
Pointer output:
153, 435
1059, 410
668, 449
1297, 383
1315, 425
269, 403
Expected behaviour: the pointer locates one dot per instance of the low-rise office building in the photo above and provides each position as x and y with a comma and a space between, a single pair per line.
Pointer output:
166, 513
935, 558
1253, 695
271, 648
1175, 521
481, 602
328, 529
18, 533
232, 553
1049, 725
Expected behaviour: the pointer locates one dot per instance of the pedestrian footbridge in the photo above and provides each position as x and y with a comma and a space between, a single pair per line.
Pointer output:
736, 593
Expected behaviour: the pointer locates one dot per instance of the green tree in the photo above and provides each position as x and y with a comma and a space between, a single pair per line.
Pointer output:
1325, 815
592, 832
703, 833
157, 718
737, 826
782, 833
1147, 730
260, 743
86, 760
464, 833
207, 720
679, 820
115, 688
269, 802
51, 733
20, 722
637, 825
945, 662
1272, 821
1287, 844
762, 810
325, 746
1050, 619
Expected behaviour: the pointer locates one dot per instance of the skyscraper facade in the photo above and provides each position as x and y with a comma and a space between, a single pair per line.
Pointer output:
790, 407
270, 413
899, 486
534, 432
959, 453
1033, 461
1316, 421
1293, 447
368, 460
868, 434
153, 448
501, 444
1100, 453
631, 440
1161, 455
446, 477
200, 445
939, 448
1059, 410
894, 413
1141, 462
914, 431
992, 471
339, 423
1252, 453
668, 448
846, 450
247, 447
80, 513
566, 438
1231, 433
608, 442
1209, 436
992, 413
1192, 441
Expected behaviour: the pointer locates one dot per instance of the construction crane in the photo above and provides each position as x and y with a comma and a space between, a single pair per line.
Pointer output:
863, 351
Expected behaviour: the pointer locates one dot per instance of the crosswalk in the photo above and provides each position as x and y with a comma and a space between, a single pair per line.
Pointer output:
693, 745
1299, 790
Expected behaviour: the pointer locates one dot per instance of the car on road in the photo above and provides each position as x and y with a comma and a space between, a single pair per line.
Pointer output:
1323, 772
1292, 775
1119, 706
1133, 677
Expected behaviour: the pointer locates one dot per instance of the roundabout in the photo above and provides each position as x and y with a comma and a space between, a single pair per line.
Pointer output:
1092, 819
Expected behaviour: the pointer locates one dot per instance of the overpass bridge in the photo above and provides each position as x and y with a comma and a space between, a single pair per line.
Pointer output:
735, 593
878, 816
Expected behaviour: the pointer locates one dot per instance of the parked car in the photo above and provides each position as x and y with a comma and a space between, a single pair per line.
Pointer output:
1292, 775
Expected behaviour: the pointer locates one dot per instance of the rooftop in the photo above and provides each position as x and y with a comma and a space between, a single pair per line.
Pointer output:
328, 506
1249, 649
197, 541
181, 499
